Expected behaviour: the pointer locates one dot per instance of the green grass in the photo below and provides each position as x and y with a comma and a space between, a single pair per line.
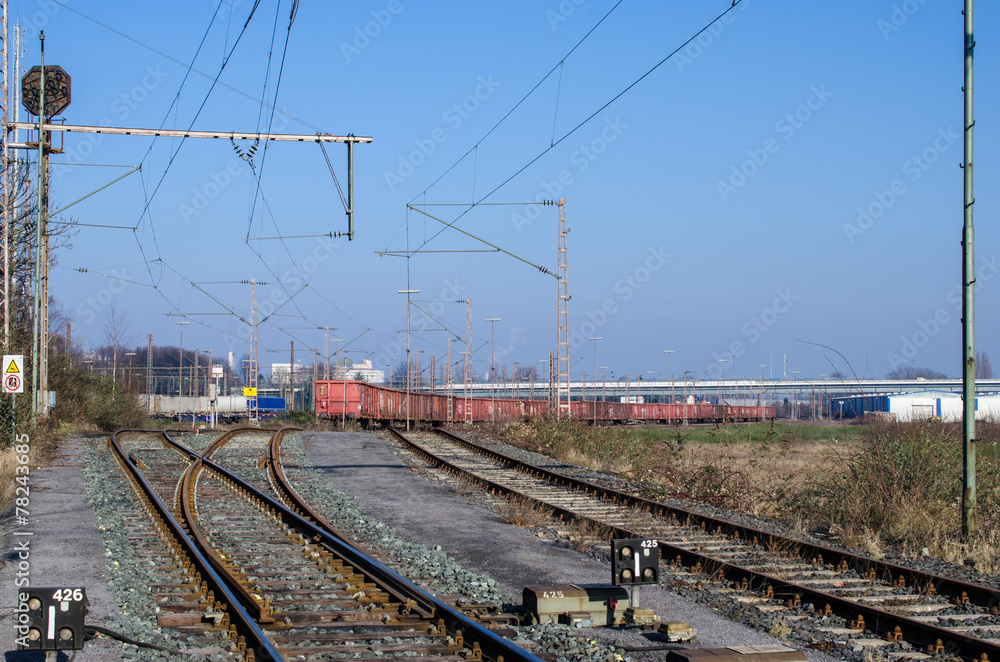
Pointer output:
744, 432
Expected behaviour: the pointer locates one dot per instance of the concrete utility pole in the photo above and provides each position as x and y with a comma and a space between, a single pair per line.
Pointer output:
969, 528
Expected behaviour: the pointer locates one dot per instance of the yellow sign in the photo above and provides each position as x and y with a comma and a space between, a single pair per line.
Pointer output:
13, 368
250, 392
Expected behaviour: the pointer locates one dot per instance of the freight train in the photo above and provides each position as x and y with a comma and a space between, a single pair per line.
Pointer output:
368, 403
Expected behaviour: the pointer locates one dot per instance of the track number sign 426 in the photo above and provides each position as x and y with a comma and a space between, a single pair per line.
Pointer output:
13, 373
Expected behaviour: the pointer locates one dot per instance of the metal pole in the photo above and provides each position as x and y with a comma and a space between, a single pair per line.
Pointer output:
969, 528
9, 189
408, 293
670, 375
343, 406
492, 321
722, 390
38, 239
180, 375
595, 339
350, 190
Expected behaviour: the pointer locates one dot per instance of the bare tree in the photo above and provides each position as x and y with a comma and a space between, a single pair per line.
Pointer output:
908, 372
117, 334
983, 368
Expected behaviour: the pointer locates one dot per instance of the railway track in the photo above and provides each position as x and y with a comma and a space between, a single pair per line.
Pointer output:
842, 596
243, 560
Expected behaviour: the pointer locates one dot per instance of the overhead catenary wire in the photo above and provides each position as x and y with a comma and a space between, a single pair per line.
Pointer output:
277, 87
523, 99
203, 74
201, 107
576, 128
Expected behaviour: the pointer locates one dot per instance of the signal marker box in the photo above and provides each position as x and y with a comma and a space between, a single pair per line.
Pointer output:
51, 618
635, 561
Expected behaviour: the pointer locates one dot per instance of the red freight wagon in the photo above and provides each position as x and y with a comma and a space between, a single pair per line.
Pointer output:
367, 402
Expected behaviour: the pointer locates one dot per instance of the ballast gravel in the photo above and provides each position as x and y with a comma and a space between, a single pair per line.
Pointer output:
431, 529
420, 507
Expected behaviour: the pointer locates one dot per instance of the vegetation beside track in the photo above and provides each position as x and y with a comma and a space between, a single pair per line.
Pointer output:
881, 486
87, 402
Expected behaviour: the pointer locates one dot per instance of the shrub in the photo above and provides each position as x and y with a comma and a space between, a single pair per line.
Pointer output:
903, 485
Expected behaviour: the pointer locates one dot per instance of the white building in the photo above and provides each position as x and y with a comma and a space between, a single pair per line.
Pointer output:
363, 371
918, 406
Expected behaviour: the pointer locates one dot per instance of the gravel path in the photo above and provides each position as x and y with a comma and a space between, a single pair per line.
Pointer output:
66, 549
425, 511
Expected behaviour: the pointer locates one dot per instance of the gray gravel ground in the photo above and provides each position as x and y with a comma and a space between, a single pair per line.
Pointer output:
66, 549
426, 511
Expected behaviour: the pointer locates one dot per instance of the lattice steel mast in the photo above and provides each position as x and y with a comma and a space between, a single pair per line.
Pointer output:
562, 385
252, 376
468, 360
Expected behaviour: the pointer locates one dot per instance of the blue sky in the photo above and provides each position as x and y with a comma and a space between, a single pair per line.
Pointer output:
790, 177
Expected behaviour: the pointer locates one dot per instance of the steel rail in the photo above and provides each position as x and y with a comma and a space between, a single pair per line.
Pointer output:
239, 617
298, 504
473, 634
874, 619
259, 608
953, 588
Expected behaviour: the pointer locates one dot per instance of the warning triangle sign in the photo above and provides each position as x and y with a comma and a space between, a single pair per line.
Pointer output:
13, 368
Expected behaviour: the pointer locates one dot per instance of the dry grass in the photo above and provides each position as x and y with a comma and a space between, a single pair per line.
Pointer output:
585, 536
41, 443
522, 512
885, 487
8, 467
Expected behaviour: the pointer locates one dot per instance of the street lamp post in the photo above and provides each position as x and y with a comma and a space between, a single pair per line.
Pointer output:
795, 395
129, 355
594, 406
492, 321
670, 375
722, 390
180, 374
760, 397
343, 404
408, 293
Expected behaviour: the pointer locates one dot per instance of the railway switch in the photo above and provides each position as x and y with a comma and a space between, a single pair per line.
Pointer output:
51, 618
635, 561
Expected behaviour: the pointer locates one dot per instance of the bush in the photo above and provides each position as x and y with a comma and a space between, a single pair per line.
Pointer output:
903, 485
86, 399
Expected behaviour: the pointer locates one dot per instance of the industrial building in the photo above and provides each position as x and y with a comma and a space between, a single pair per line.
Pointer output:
916, 406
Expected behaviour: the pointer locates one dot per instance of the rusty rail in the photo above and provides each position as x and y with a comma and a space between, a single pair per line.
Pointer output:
474, 635
240, 618
872, 618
